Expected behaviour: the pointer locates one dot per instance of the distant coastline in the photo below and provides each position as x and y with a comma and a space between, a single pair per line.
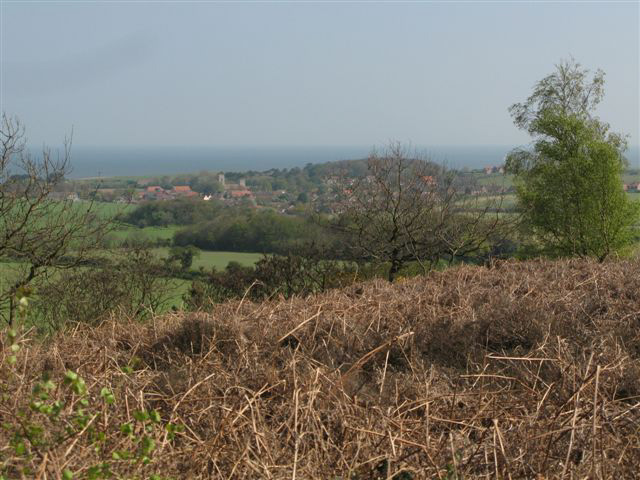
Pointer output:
140, 161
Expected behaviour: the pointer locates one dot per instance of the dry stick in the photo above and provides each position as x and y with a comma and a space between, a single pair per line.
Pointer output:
195, 385
366, 357
79, 435
245, 296
495, 453
453, 455
573, 421
504, 455
295, 432
524, 359
573, 430
42, 469
595, 416
300, 325
384, 373
399, 440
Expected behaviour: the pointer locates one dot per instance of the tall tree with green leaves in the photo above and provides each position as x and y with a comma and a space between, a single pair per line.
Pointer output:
569, 183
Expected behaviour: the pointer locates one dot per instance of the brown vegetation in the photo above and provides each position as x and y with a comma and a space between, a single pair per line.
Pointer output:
521, 370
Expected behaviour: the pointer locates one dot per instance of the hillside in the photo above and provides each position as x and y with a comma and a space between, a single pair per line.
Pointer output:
522, 370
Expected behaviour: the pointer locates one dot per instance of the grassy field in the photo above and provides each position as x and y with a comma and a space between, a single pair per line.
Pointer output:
179, 287
495, 179
104, 209
634, 195
219, 260
507, 180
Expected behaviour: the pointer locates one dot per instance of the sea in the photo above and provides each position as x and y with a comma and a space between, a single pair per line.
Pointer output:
89, 162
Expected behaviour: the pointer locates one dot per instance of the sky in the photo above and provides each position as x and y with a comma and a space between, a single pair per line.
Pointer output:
304, 74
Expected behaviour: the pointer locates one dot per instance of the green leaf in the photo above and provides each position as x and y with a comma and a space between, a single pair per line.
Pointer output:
20, 448
141, 416
107, 396
155, 416
148, 445
48, 385
126, 428
67, 474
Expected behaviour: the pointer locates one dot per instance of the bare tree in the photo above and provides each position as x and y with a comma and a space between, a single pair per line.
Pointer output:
39, 234
407, 209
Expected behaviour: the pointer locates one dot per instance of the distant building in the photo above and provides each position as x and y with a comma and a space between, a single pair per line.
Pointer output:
155, 189
493, 169
243, 183
221, 179
429, 179
240, 193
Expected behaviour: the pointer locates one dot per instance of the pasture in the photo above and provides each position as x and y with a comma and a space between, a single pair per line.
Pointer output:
217, 260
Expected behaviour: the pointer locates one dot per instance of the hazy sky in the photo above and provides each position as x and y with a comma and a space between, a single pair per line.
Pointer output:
205, 73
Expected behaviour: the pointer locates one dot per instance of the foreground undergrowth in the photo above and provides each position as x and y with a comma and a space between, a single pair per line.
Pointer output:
521, 370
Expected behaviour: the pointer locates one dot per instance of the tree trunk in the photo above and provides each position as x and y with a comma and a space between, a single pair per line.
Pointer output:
395, 267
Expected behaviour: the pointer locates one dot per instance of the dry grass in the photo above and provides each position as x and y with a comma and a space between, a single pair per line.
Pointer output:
523, 370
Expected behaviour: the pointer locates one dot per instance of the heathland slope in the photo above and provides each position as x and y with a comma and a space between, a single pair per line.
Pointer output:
521, 370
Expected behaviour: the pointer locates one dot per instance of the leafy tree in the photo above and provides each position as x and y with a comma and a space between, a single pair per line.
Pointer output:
183, 255
569, 184
206, 183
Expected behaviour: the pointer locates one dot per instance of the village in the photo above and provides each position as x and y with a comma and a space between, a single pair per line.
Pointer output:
285, 191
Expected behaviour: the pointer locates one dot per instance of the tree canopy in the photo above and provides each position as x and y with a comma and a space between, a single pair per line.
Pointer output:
569, 183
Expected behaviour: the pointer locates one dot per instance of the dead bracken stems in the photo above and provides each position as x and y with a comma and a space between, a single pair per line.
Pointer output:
523, 370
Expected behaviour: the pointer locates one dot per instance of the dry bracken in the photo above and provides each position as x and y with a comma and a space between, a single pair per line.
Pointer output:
519, 370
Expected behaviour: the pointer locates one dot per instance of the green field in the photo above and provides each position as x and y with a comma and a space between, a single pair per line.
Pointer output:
501, 180
634, 195
103, 209
219, 260
107, 209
